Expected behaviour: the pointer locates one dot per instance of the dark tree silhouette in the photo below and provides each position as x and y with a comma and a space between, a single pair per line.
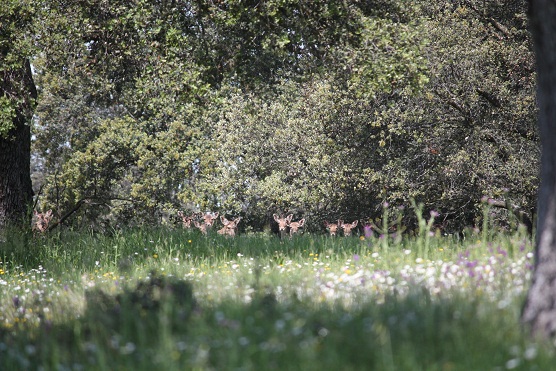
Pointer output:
16, 193
540, 307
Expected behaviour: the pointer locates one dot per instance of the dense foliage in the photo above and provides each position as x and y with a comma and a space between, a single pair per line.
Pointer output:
325, 109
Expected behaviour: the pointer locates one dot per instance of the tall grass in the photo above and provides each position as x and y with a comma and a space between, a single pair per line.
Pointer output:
175, 299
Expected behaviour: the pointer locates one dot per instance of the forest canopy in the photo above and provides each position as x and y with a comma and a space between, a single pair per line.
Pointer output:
325, 109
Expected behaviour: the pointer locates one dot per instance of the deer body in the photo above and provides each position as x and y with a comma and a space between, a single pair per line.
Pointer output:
201, 226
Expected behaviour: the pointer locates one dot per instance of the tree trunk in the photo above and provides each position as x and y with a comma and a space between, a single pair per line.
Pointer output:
539, 311
16, 192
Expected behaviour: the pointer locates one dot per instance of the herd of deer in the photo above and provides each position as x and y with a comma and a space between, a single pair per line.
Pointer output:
204, 222
285, 224
346, 227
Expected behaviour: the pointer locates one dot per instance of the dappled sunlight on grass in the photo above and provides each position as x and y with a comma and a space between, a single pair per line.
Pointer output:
256, 299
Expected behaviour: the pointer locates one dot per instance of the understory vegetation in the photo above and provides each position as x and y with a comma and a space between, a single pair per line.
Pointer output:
177, 299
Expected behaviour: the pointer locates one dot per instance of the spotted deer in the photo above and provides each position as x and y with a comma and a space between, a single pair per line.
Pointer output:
332, 227
283, 223
185, 219
42, 222
230, 226
347, 227
294, 226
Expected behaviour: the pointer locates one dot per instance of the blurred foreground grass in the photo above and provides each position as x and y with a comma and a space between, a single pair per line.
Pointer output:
177, 300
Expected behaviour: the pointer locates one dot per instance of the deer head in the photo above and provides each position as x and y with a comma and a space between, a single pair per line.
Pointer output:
186, 220
209, 218
332, 227
294, 226
230, 226
347, 227
43, 220
282, 222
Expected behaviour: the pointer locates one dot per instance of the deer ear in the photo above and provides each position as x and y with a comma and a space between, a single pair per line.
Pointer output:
289, 218
35, 212
354, 224
301, 222
326, 224
275, 217
216, 215
224, 220
49, 212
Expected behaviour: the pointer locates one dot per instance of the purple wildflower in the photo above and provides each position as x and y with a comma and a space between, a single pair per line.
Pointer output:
472, 264
368, 231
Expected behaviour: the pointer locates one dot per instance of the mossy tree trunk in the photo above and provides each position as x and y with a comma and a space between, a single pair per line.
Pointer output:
540, 308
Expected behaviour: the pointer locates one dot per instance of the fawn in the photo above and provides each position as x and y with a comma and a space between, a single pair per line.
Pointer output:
294, 226
209, 218
347, 227
207, 221
186, 220
332, 227
230, 226
283, 223
43, 220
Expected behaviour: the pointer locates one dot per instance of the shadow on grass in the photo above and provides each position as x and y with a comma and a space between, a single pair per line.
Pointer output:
159, 324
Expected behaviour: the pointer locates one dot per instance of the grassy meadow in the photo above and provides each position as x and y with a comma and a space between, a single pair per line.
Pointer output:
174, 299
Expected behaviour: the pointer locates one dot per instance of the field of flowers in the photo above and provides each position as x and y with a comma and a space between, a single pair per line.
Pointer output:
179, 300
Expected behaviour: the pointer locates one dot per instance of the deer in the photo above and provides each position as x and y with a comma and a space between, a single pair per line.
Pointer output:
283, 223
230, 226
347, 227
332, 227
43, 220
294, 226
186, 220
207, 220
201, 226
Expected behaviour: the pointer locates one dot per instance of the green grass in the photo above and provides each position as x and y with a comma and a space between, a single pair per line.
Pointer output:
177, 300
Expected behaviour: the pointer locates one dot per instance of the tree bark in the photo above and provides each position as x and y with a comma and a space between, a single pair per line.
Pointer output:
539, 312
16, 192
